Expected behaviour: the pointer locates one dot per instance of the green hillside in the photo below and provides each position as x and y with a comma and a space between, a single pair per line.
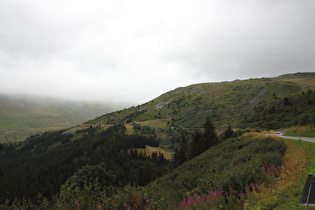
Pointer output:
22, 116
226, 102
106, 160
294, 110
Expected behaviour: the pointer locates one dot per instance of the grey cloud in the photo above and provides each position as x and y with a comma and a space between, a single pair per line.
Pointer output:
133, 50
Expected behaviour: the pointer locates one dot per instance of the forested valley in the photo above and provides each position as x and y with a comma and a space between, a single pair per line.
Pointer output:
42, 163
208, 149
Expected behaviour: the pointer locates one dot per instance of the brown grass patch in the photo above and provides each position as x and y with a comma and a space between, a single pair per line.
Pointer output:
258, 135
276, 192
160, 123
149, 150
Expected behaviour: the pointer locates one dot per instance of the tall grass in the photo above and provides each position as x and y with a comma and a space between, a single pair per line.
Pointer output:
305, 131
282, 185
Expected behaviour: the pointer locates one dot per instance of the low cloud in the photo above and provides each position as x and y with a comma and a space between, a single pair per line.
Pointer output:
132, 51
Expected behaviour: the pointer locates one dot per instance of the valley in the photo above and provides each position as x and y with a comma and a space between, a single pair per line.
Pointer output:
22, 115
203, 139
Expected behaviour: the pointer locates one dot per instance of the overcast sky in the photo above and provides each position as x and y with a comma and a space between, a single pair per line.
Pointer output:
133, 51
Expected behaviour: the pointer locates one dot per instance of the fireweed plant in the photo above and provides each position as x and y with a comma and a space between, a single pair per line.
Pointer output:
226, 176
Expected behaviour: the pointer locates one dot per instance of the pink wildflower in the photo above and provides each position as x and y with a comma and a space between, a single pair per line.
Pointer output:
99, 207
76, 203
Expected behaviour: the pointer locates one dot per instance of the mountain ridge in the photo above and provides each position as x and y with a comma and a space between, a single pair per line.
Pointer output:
223, 102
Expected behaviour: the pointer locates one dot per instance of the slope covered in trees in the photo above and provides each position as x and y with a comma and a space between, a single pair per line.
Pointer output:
297, 109
42, 163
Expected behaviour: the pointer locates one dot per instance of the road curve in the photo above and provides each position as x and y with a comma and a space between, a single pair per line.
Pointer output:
293, 137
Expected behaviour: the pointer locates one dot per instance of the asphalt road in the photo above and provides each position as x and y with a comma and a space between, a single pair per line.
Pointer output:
294, 137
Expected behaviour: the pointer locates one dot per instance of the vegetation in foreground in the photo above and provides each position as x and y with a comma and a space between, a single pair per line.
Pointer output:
44, 162
224, 173
230, 172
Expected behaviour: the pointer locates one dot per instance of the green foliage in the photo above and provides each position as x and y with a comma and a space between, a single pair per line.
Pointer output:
250, 103
305, 131
87, 195
296, 111
235, 163
46, 168
1, 173
203, 141
143, 130
106, 177
105, 163
229, 133
210, 136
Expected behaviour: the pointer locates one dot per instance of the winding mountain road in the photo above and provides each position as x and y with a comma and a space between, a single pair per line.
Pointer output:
294, 137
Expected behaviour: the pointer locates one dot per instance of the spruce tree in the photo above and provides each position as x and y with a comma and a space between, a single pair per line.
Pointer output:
1, 173
228, 132
210, 135
182, 151
195, 146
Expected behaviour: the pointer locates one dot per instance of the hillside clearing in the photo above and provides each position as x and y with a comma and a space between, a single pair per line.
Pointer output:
149, 150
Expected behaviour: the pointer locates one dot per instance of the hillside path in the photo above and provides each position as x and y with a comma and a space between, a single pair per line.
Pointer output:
294, 137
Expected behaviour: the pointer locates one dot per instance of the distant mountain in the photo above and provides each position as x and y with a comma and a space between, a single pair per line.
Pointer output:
225, 102
22, 116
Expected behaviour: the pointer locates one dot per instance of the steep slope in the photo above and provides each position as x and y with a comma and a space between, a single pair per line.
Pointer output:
295, 110
225, 102
22, 116
43, 162
51, 158
232, 164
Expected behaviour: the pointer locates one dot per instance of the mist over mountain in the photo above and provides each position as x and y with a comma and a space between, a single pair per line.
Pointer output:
193, 139
24, 115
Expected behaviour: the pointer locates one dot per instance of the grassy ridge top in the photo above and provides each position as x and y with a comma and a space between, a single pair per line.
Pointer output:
224, 102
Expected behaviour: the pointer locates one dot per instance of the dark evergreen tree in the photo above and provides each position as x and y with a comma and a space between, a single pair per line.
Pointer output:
210, 135
272, 109
195, 148
154, 155
183, 148
181, 152
1, 173
286, 101
175, 156
228, 132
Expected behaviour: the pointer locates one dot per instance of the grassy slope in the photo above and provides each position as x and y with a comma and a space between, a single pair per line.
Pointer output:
234, 163
301, 111
225, 102
292, 198
306, 131
21, 117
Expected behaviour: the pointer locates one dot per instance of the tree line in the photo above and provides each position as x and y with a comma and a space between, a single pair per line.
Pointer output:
44, 162
200, 143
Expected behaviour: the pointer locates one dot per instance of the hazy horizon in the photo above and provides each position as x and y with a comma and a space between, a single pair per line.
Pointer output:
131, 52
38, 98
